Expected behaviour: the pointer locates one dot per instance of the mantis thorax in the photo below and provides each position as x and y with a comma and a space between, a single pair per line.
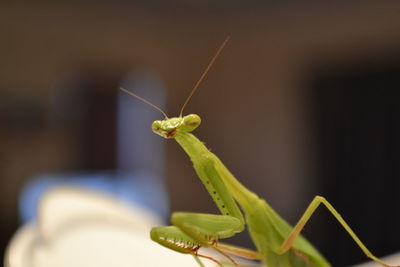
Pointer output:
169, 127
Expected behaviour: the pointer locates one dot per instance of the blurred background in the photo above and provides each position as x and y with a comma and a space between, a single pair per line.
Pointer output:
301, 102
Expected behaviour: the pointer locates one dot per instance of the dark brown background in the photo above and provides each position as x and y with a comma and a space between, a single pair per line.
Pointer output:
269, 105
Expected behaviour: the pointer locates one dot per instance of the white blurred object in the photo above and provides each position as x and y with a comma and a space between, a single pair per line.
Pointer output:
79, 228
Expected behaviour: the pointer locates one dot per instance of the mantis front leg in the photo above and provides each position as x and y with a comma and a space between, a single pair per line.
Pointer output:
172, 237
194, 230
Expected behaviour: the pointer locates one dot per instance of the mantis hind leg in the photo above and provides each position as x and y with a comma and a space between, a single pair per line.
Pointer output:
239, 251
291, 238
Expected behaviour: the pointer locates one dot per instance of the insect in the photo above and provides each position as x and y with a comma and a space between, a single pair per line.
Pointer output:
277, 242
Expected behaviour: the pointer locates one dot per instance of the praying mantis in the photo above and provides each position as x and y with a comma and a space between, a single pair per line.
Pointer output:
278, 244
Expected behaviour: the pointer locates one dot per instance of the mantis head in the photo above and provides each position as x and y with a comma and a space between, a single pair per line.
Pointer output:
168, 128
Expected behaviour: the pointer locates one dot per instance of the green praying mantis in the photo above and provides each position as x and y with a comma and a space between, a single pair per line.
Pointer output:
278, 244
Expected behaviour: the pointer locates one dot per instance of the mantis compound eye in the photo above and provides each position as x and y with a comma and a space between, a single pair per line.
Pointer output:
156, 126
191, 122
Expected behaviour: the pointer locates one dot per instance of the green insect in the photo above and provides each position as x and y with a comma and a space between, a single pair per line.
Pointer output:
278, 243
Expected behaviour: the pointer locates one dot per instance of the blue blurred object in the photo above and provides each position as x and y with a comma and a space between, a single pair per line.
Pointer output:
139, 177
140, 188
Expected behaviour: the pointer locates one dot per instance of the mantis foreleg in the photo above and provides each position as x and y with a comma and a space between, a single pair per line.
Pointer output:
194, 230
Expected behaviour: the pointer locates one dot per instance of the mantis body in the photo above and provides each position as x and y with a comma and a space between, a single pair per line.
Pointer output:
278, 244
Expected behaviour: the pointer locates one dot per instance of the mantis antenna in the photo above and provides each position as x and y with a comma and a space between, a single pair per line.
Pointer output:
204, 73
143, 100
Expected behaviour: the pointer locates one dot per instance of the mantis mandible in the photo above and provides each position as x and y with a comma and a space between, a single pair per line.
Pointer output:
278, 243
